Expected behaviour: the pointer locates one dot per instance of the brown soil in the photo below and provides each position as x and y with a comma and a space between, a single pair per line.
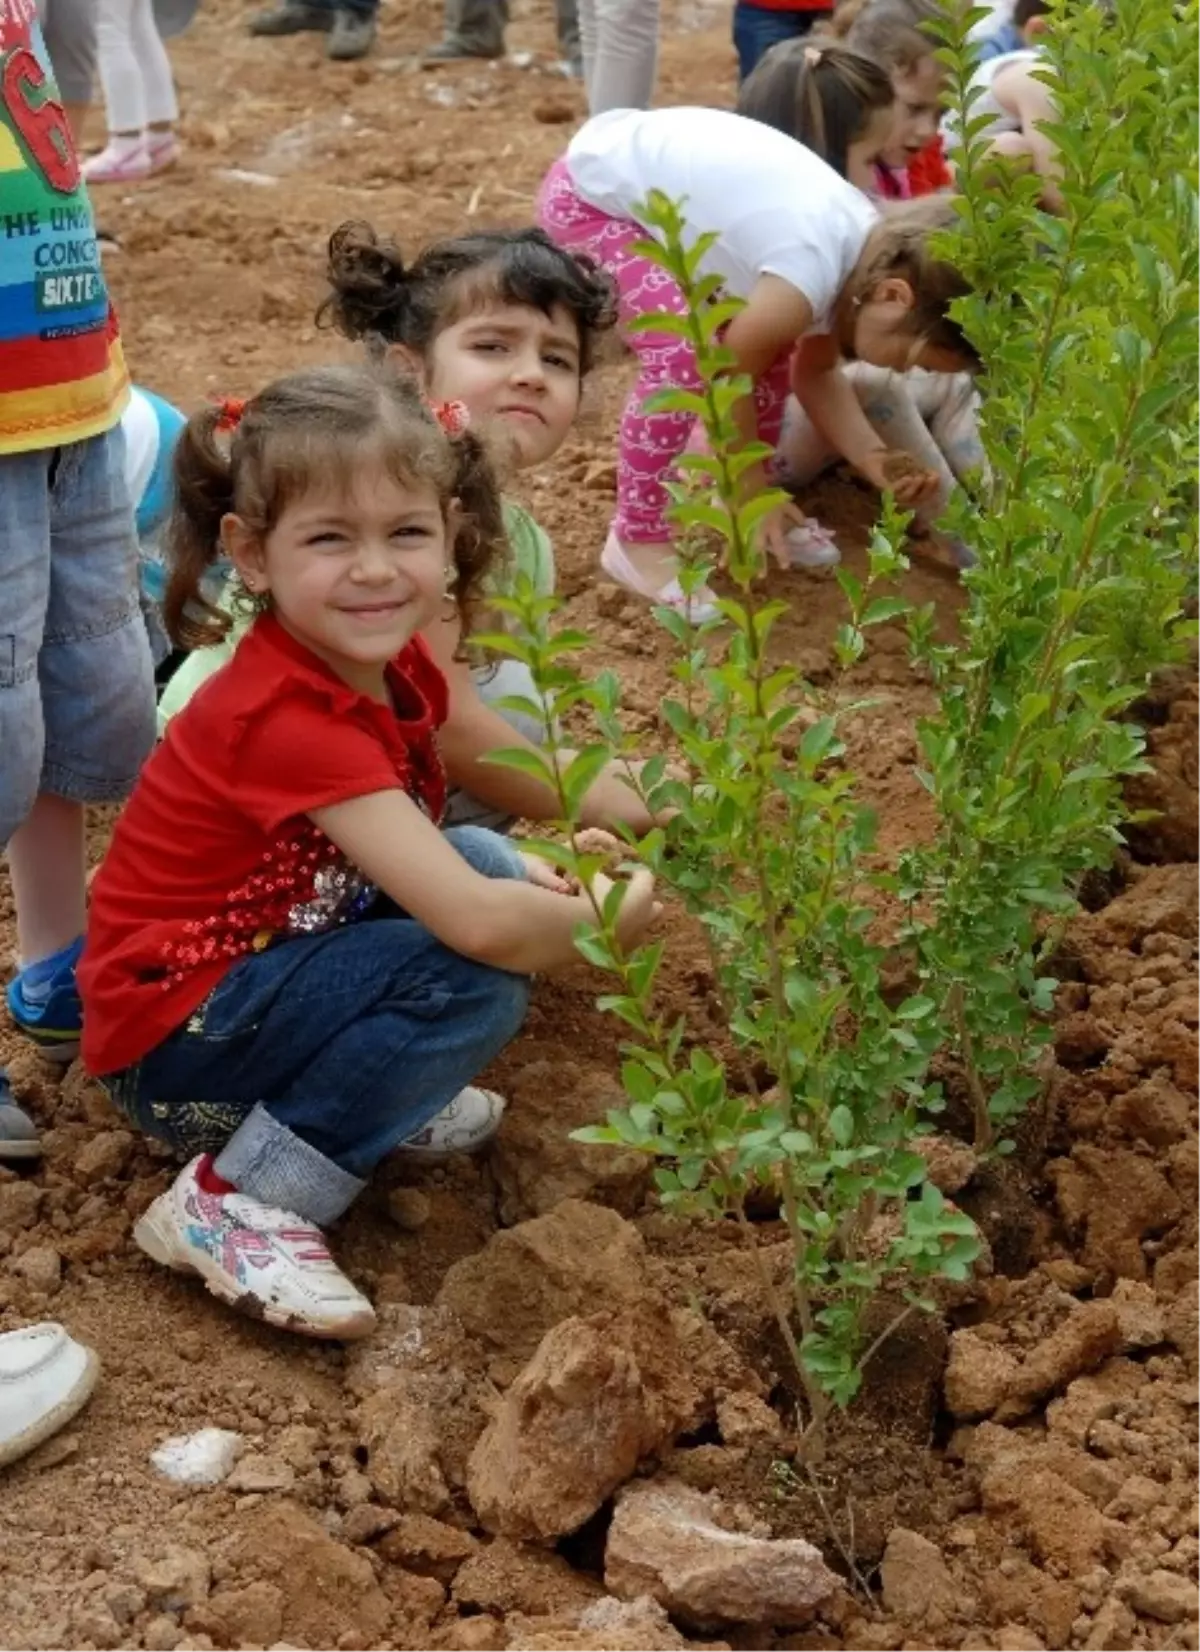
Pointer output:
1025, 1465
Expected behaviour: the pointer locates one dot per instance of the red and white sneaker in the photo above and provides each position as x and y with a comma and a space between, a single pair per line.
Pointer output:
265, 1262
470, 1120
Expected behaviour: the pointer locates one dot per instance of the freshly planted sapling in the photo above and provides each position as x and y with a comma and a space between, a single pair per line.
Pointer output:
767, 849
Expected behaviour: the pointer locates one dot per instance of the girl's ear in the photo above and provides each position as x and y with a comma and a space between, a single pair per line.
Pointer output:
407, 359
893, 289
244, 549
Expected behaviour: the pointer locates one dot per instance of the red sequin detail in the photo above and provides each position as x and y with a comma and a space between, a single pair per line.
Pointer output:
261, 904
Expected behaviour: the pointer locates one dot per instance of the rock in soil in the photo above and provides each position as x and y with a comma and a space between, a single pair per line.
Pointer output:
979, 1375
576, 1260
510, 1577
1084, 1340
917, 1585
600, 1395
668, 1542
328, 1591
536, 1164
424, 1391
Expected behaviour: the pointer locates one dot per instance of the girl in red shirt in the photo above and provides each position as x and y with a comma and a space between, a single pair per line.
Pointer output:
288, 964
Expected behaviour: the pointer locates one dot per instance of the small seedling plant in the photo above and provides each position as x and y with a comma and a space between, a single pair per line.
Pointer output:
768, 850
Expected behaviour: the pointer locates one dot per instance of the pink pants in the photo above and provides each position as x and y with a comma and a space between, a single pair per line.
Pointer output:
650, 443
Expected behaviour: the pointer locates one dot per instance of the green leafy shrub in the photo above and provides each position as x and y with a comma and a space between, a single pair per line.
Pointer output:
1084, 533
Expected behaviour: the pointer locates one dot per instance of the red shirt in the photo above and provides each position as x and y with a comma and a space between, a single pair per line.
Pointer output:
928, 172
215, 857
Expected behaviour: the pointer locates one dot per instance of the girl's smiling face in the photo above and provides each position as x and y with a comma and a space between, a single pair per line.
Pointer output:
516, 369
917, 110
353, 572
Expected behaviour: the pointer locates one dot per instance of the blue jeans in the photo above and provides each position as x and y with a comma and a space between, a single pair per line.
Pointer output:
757, 28
311, 1061
76, 679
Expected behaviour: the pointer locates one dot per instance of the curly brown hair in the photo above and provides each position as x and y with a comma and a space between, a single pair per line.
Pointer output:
311, 429
374, 296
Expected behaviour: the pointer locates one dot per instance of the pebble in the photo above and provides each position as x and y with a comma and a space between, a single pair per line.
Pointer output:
409, 1208
41, 1266
201, 1459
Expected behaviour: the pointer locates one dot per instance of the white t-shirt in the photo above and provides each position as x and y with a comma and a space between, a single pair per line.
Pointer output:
982, 81
777, 208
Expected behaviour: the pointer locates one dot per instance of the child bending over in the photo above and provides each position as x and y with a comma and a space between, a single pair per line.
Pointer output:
841, 106
826, 277
289, 964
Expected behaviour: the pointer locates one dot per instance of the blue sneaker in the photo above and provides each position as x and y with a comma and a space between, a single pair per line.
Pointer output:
44, 1003
18, 1133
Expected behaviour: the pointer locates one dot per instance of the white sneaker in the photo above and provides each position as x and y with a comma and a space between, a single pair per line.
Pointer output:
45, 1378
265, 1262
812, 546
471, 1119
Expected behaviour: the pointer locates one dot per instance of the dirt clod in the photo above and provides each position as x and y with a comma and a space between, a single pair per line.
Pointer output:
668, 1542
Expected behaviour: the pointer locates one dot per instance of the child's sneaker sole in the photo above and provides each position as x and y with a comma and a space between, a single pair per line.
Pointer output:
154, 1232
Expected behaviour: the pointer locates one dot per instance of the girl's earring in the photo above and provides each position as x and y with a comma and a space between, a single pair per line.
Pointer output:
448, 597
246, 595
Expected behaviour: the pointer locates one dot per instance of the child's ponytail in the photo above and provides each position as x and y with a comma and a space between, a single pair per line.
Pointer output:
821, 95
369, 287
203, 495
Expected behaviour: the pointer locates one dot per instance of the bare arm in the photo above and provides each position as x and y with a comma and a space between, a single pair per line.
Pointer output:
776, 315
1020, 91
504, 922
827, 396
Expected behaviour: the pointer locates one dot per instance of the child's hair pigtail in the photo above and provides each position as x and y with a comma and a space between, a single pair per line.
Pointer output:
368, 287
203, 495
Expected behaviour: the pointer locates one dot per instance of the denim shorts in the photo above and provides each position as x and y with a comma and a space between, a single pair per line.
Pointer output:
76, 678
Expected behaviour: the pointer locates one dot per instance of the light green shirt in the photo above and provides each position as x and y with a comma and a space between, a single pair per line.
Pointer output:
530, 552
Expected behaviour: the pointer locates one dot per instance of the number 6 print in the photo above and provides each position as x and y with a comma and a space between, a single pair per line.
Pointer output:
42, 124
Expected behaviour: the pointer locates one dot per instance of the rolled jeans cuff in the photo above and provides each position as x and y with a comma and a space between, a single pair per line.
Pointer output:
267, 1162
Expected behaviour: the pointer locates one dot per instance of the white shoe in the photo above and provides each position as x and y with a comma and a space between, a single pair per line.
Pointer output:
698, 608
471, 1119
45, 1378
265, 1262
812, 546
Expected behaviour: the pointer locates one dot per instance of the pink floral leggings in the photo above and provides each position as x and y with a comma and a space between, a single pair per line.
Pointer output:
650, 443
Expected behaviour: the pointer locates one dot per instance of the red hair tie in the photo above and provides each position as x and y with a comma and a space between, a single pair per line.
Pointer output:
229, 413
454, 417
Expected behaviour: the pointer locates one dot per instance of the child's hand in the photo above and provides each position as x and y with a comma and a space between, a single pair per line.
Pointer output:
638, 910
893, 471
542, 875
774, 529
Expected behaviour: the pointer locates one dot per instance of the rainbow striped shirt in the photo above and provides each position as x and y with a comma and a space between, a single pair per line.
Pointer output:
62, 372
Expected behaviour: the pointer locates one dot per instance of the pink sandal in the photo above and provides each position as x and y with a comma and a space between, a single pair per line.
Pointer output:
698, 608
118, 164
162, 150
